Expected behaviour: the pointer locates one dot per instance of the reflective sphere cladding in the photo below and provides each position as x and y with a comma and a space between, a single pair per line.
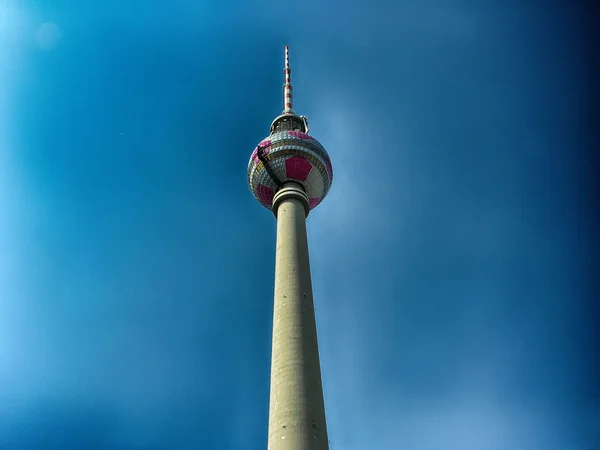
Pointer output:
291, 156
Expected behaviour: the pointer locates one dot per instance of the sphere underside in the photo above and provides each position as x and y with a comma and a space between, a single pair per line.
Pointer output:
290, 156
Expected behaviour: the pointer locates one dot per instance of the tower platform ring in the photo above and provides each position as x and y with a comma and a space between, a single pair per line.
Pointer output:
291, 156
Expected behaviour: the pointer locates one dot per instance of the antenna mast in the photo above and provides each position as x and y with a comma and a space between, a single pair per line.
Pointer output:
287, 87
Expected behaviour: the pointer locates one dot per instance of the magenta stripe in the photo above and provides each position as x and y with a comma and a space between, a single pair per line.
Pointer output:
297, 168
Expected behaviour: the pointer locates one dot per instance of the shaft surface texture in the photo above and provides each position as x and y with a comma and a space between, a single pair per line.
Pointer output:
296, 410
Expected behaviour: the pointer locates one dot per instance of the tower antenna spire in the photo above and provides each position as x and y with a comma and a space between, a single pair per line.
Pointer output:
287, 87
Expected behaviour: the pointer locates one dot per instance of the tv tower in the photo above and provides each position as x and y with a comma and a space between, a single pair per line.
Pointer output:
290, 173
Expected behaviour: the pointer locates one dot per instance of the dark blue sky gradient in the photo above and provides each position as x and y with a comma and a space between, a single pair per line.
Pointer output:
452, 262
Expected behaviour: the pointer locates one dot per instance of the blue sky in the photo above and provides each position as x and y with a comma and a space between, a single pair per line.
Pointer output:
450, 260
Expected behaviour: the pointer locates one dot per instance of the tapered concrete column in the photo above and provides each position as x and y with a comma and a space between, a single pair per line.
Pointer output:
296, 410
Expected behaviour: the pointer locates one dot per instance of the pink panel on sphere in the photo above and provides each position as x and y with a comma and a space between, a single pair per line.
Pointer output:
265, 194
312, 202
300, 135
266, 143
329, 168
297, 168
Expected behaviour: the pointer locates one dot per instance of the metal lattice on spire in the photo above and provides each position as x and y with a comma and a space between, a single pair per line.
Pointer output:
287, 87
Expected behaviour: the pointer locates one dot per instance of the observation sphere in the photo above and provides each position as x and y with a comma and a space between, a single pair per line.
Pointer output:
291, 156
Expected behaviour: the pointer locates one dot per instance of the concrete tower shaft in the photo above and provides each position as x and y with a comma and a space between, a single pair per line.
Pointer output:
296, 409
